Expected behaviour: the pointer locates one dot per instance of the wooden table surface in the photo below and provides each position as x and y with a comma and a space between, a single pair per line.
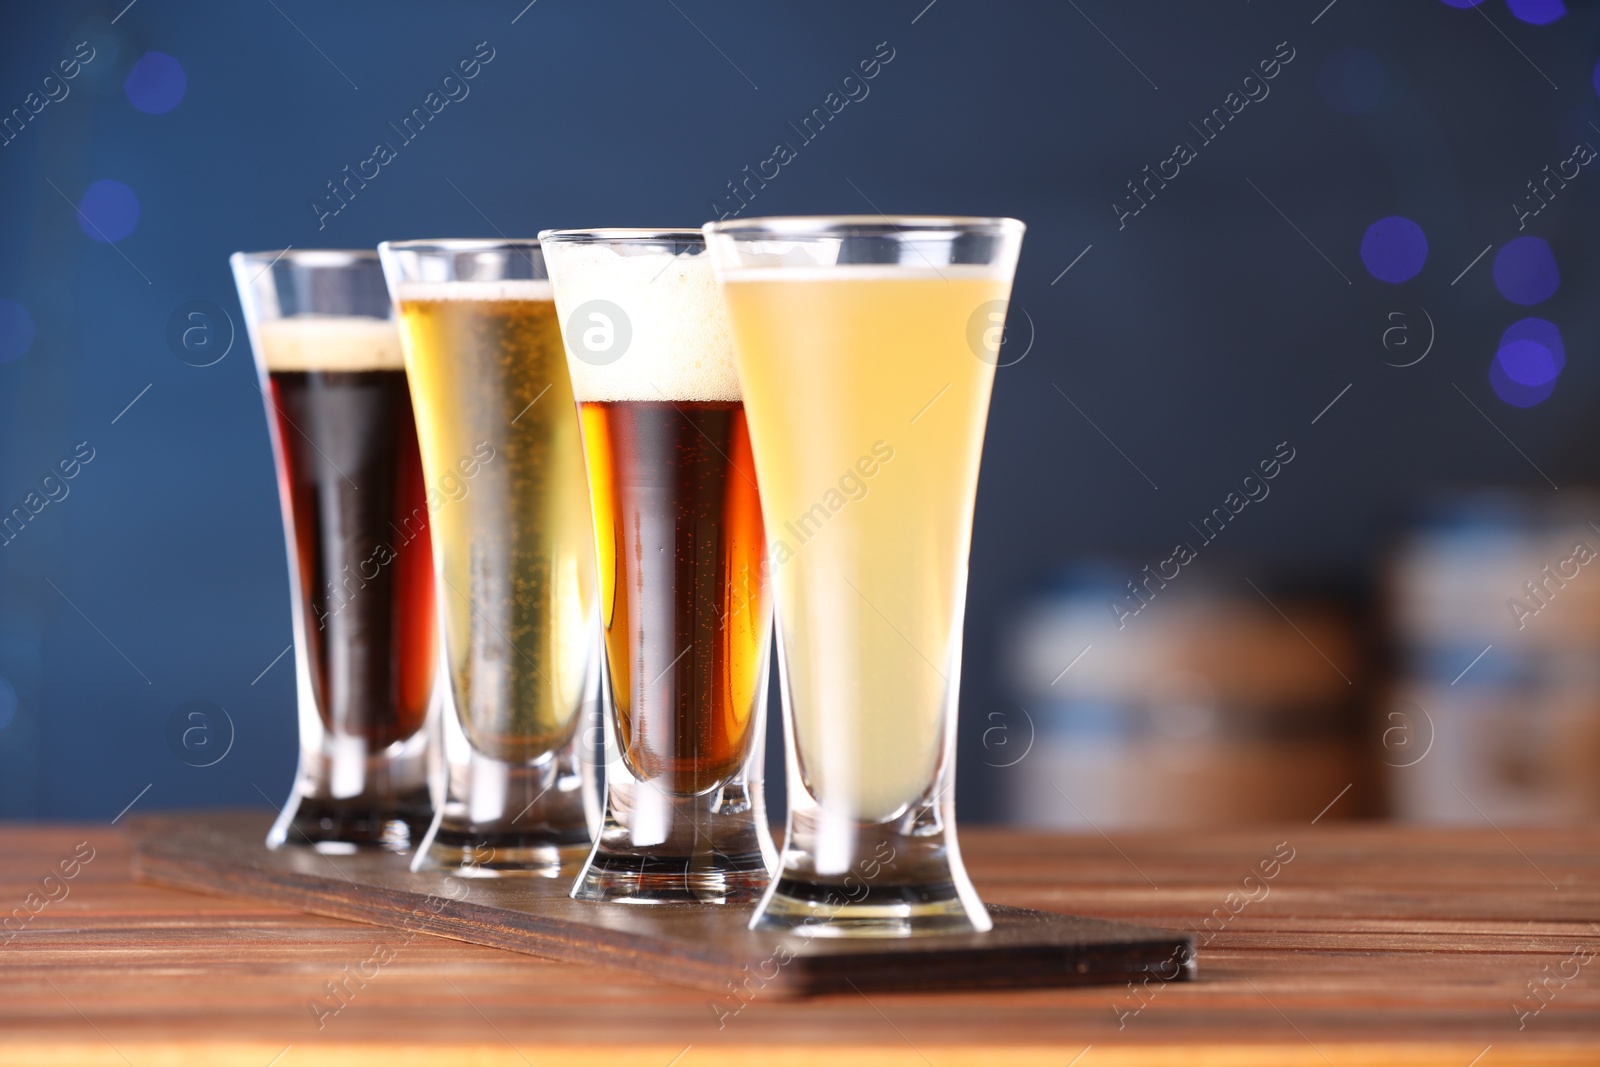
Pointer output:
1343, 944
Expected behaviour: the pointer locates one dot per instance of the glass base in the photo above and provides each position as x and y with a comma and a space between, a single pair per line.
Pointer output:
626, 877
343, 826
509, 820
483, 852
811, 910
898, 878
653, 848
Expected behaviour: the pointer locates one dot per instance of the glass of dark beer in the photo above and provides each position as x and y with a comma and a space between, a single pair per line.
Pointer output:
681, 551
355, 518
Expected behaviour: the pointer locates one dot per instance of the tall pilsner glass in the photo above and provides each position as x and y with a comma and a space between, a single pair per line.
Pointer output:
355, 516
683, 593
513, 552
866, 351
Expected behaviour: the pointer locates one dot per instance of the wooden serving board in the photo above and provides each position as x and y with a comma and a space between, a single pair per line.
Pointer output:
704, 946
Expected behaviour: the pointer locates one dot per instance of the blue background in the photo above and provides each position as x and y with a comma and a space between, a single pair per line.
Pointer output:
1196, 337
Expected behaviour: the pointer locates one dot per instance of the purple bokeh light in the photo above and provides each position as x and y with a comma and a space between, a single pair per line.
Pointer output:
1538, 332
108, 211
1394, 249
1515, 393
1525, 271
1538, 12
156, 83
1528, 362
16, 331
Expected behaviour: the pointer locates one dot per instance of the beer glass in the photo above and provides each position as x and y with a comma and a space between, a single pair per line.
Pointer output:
679, 543
866, 350
355, 519
513, 552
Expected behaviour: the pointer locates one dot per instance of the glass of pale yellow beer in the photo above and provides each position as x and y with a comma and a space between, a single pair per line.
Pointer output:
513, 552
683, 590
866, 350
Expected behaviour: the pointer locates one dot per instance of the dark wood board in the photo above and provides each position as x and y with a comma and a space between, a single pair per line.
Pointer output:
704, 946
1377, 946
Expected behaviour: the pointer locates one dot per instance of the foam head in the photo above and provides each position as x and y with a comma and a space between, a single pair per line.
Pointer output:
677, 343
852, 273
484, 291
329, 343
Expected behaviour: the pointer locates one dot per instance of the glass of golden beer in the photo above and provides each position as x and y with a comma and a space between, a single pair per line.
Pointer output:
513, 554
679, 542
866, 350
356, 524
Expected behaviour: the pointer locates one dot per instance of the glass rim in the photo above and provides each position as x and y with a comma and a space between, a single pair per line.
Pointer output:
864, 225
460, 244
309, 257
621, 234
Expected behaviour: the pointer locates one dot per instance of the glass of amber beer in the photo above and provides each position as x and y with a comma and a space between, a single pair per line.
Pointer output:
679, 542
866, 349
355, 516
513, 553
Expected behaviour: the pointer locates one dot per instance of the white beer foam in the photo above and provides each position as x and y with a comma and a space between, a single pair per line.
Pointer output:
680, 346
329, 343
509, 289
870, 272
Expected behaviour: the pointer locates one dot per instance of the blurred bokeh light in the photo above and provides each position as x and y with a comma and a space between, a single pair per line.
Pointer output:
1538, 12
108, 211
1525, 271
1394, 249
156, 83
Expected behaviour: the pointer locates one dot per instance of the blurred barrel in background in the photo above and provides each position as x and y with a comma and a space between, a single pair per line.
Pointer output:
1207, 708
1494, 713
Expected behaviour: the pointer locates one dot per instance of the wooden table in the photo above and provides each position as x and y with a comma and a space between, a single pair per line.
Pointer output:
1366, 944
